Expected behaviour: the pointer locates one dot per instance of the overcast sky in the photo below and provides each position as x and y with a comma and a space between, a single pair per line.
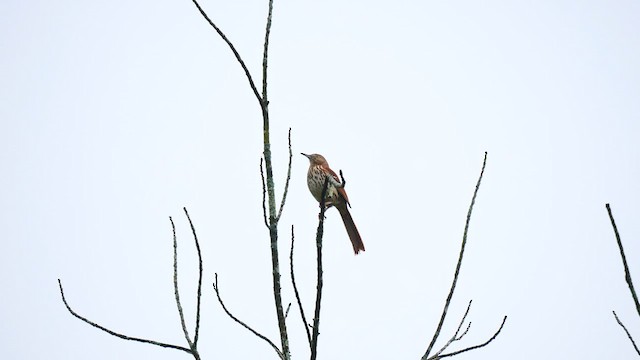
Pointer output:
116, 114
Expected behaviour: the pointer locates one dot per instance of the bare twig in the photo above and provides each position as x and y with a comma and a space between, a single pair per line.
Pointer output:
264, 197
286, 184
627, 274
175, 285
200, 270
217, 290
121, 336
457, 271
286, 313
233, 49
319, 233
477, 346
626, 331
295, 290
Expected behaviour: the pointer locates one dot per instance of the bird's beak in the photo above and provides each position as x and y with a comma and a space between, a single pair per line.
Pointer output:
308, 157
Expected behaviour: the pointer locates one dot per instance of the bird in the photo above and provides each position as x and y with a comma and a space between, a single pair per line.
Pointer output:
335, 196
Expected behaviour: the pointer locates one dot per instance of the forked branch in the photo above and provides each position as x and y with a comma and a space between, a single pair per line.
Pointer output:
193, 344
453, 287
273, 213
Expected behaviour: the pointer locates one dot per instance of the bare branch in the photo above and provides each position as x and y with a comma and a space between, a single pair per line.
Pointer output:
295, 290
175, 285
626, 331
457, 272
272, 224
627, 274
111, 332
233, 49
319, 233
273, 219
264, 196
200, 270
286, 184
477, 346
217, 290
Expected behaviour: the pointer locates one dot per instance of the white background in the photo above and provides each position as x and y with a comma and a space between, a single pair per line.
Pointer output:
116, 114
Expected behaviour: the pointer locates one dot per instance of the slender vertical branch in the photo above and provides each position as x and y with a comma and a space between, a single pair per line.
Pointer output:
175, 285
627, 274
273, 219
295, 290
265, 54
319, 233
457, 272
200, 270
286, 184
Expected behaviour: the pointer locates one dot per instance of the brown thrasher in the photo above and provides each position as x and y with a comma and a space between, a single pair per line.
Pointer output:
335, 196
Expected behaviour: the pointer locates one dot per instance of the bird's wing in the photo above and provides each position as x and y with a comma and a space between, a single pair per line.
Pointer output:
341, 190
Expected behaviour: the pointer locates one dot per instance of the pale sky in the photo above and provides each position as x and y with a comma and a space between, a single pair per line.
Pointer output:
116, 114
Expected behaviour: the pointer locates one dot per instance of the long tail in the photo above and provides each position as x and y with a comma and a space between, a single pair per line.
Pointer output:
352, 230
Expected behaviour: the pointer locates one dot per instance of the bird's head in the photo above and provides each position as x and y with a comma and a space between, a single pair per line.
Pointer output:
315, 159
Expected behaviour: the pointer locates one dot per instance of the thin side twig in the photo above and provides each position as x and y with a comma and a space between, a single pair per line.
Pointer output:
217, 290
111, 332
457, 272
455, 336
175, 285
200, 271
233, 49
319, 233
295, 290
264, 196
627, 274
626, 331
286, 184
479, 345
